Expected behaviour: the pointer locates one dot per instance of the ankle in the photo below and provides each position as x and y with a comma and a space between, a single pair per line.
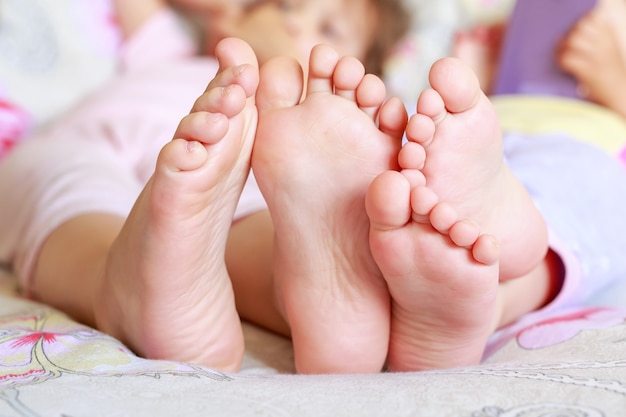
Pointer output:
530, 292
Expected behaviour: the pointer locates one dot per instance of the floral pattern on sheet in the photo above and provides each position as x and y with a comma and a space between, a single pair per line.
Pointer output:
45, 345
563, 327
541, 410
51, 366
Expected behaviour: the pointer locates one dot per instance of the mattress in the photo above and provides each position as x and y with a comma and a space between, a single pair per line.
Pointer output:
53, 366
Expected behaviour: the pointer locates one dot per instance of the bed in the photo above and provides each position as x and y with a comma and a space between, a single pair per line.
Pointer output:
566, 363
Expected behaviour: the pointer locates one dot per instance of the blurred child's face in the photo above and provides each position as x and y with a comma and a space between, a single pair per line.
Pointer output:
293, 27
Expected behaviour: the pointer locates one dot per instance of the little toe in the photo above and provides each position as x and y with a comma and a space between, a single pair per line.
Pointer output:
486, 250
181, 155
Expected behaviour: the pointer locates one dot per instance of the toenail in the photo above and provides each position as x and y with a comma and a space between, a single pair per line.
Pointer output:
238, 70
213, 118
226, 91
191, 146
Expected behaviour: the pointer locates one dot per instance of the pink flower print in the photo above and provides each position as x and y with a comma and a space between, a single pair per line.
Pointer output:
566, 326
47, 345
14, 123
33, 338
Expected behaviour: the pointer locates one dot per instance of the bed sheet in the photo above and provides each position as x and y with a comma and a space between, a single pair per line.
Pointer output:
52, 366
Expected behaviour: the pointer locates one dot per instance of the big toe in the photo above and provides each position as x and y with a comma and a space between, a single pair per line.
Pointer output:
281, 84
456, 83
233, 53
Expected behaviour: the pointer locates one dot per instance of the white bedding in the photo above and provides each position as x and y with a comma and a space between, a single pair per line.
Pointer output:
51, 366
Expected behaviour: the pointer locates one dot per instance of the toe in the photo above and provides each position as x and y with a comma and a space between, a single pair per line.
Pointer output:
443, 216
420, 129
456, 83
431, 105
203, 127
347, 76
281, 84
181, 155
412, 156
392, 116
370, 95
322, 64
464, 233
229, 100
423, 200
387, 201
415, 177
486, 250
238, 63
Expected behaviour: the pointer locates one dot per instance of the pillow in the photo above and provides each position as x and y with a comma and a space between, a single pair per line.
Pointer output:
52, 53
435, 24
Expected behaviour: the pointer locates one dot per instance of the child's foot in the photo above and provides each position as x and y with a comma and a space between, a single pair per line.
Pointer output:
444, 247
314, 162
167, 291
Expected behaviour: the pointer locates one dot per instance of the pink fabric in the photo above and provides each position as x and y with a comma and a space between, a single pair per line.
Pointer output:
14, 123
98, 23
572, 293
622, 156
98, 158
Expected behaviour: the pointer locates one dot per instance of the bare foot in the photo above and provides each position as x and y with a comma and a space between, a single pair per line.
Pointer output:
314, 161
443, 247
166, 290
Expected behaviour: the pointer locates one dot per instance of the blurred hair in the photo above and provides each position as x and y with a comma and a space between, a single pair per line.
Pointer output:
394, 21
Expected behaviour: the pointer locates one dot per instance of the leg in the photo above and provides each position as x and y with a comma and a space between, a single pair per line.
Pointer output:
249, 258
314, 161
132, 273
444, 247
